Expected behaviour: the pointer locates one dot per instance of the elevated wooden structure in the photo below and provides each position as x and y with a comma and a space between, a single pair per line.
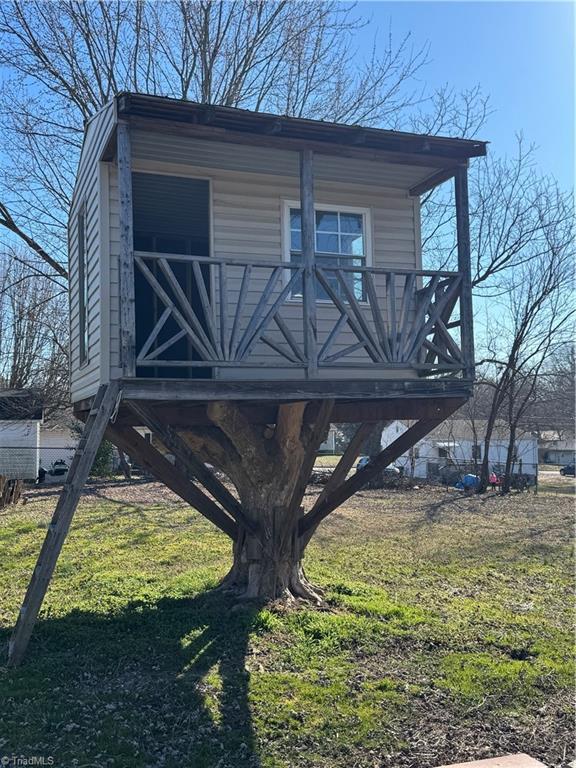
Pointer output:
243, 362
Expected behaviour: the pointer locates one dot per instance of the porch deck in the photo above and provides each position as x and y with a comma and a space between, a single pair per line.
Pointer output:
183, 402
236, 319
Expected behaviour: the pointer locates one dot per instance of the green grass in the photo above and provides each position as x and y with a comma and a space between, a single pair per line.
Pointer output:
327, 460
447, 632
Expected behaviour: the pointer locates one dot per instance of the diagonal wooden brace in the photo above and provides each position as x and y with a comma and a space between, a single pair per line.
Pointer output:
182, 452
131, 442
98, 418
392, 452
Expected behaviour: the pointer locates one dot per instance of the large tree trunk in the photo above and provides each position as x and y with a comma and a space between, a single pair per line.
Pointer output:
270, 469
270, 566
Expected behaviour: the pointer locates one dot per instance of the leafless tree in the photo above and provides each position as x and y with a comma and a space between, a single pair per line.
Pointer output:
64, 60
33, 333
554, 400
533, 305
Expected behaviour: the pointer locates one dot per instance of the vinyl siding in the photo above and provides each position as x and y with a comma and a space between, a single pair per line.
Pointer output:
86, 378
186, 151
19, 455
248, 190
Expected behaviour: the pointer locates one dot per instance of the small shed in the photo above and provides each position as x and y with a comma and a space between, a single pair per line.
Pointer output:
20, 418
59, 436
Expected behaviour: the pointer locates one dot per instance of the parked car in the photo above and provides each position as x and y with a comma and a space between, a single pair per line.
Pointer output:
58, 468
390, 471
568, 470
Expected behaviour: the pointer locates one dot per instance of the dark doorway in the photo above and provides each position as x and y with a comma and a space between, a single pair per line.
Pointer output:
171, 215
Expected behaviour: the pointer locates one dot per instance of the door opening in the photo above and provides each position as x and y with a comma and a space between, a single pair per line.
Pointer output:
171, 214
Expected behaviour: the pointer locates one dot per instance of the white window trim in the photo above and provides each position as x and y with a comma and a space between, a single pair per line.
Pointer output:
366, 214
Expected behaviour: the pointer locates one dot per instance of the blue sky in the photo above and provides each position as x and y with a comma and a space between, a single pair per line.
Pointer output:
522, 54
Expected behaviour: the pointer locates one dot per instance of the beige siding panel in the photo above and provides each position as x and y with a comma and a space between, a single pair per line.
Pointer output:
247, 214
85, 380
182, 150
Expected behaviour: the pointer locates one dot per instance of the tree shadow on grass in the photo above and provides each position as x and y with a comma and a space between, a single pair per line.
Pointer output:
162, 684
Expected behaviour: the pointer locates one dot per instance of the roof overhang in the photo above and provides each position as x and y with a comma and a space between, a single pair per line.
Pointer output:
438, 156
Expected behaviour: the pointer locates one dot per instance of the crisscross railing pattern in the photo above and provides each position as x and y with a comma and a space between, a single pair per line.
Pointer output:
250, 314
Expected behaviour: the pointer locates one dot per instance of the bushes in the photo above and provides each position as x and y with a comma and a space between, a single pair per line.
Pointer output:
103, 463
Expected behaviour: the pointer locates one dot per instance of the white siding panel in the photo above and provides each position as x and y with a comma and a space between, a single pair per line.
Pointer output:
19, 455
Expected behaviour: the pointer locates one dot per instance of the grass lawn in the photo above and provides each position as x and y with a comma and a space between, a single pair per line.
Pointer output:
447, 637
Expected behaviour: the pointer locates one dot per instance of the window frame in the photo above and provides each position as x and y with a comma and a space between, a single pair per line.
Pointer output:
366, 214
82, 250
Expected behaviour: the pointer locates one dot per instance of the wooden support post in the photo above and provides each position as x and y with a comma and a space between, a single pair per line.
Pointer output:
392, 452
346, 461
94, 428
127, 301
464, 268
308, 219
132, 443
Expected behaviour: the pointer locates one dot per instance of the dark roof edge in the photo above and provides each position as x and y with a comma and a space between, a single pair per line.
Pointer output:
20, 405
243, 120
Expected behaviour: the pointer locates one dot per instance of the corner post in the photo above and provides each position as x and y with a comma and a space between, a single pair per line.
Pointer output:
308, 218
464, 268
126, 267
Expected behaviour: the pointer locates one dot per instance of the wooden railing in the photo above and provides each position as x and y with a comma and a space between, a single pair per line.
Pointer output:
250, 314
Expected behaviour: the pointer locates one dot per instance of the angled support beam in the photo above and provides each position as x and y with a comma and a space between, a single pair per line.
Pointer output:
98, 418
132, 443
433, 181
197, 469
346, 461
392, 452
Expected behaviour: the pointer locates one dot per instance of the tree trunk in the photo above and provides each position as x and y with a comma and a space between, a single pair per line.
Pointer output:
269, 566
270, 469
490, 423
507, 481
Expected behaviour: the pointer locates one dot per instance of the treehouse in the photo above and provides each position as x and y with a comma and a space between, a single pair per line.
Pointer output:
240, 280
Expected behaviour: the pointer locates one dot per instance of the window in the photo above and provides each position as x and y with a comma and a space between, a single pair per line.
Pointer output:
476, 452
82, 288
443, 453
341, 241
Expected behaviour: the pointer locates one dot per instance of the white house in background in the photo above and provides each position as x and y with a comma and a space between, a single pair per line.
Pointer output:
58, 439
329, 445
20, 418
19, 449
459, 443
553, 450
